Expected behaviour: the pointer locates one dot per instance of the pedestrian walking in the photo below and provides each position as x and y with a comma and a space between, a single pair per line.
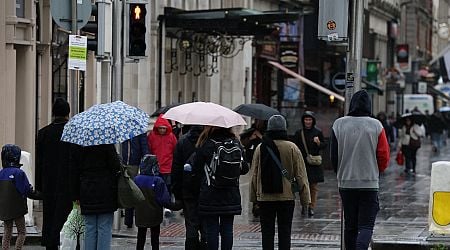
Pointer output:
271, 189
310, 141
220, 198
410, 142
149, 214
162, 143
132, 152
14, 189
186, 188
250, 139
436, 127
359, 152
97, 169
53, 174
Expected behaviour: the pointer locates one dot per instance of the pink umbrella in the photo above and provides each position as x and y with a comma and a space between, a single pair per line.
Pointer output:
205, 113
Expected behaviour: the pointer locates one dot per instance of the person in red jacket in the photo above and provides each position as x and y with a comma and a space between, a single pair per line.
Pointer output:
162, 141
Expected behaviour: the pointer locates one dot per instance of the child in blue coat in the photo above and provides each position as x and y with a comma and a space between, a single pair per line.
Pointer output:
14, 189
149, 214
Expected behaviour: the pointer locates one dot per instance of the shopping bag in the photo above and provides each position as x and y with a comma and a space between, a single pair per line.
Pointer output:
72, 233
400, 158
129, 195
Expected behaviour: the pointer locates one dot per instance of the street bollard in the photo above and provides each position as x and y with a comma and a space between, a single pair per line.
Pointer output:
116, 221
439, 204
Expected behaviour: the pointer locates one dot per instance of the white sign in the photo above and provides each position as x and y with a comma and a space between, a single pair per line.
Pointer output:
422, 87
77, 52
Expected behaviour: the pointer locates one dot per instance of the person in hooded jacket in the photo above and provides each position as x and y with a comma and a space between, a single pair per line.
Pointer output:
216, 206
162, 141
271, 189
53, 174
359, 153
186, 188
97, 169
314, 142
149, 214
14, 189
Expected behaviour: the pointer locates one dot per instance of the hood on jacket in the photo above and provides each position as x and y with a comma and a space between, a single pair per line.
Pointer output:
360, 105
161, 122
309, 114
149, 165
11, 156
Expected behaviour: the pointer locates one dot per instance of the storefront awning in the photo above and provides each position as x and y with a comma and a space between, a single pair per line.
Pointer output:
307, 81
232, 21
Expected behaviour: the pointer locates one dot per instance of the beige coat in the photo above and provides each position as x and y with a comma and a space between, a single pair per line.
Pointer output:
292, 160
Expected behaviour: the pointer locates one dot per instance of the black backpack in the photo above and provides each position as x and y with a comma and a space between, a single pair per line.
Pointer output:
226, 164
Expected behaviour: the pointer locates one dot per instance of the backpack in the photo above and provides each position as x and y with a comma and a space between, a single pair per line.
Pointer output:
226, 163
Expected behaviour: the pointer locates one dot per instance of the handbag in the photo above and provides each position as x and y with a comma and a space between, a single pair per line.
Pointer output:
294, 185
400, 158
129, 195
414, 143
314, 160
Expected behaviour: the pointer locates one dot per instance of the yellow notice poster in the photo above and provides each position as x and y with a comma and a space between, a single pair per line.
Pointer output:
439, 206
77, 52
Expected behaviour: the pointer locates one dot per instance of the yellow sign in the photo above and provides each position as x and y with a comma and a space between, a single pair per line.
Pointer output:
441, 208
77, 52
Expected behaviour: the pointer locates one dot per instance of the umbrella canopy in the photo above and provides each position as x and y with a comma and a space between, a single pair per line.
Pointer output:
417, 117
205, 113
108, 123
256, 110
164, 109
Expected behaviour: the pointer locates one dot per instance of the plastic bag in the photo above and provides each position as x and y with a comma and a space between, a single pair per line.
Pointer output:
72, 233
400, 159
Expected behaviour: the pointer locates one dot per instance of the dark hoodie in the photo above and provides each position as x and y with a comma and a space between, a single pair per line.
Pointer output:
359, 148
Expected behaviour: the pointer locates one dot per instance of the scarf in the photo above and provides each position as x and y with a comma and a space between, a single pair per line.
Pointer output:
271, 177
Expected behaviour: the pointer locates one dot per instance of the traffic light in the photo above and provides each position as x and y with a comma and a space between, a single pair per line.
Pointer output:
137, 30
372, 72
91, 30
402, 53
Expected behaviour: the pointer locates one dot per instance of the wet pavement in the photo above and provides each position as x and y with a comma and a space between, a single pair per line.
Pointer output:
401, 222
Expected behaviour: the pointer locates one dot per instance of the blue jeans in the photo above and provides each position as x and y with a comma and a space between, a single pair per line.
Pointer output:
219, 223
360, 211
98, 231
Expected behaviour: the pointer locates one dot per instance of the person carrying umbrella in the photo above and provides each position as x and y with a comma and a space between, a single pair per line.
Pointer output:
218, 204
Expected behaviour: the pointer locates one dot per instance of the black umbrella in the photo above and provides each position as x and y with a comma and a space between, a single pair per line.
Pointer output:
164, 109
414, 116
256, 110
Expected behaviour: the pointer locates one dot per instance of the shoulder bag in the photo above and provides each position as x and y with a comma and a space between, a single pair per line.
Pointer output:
129, 195
314, 160
294, 185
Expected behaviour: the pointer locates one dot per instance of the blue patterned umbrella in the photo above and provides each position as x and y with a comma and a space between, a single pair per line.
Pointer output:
108, 123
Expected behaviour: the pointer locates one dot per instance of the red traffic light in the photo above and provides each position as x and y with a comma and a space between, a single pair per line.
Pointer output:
137, 12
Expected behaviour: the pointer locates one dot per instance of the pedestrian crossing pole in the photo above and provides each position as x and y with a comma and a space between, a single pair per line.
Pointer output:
354, 52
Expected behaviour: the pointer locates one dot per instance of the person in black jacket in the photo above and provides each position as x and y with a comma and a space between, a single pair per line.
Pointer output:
132, 152
315, 142
186, 188
53, 174
217, 206
97, 171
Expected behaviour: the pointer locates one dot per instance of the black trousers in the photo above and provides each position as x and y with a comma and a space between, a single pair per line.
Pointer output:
360, 211
142, 235
283, 212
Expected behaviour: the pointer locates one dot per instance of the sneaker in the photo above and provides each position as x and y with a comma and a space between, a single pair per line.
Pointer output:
167, 212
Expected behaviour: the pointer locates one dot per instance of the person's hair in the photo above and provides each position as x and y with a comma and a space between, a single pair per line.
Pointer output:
207, 132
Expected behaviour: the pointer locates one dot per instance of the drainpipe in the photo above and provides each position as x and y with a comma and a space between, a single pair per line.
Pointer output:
161, 33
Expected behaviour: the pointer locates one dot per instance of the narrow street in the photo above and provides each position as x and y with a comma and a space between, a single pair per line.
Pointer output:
402, 219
